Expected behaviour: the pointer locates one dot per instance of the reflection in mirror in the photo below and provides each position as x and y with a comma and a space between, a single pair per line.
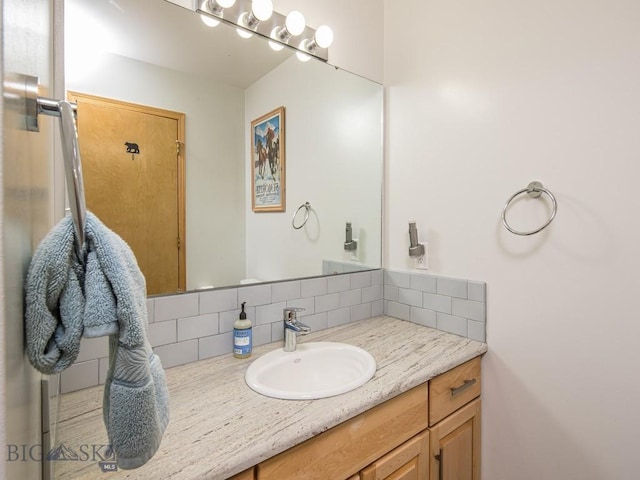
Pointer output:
221, 83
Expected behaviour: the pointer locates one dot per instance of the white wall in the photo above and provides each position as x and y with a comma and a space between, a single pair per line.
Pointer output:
333, 172
214, 153
484, 97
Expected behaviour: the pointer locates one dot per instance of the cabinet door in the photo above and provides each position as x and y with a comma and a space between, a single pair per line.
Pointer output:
410, 461
246, 475
455, 445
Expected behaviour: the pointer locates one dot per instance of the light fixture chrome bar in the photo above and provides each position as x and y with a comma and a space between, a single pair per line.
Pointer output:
232, 14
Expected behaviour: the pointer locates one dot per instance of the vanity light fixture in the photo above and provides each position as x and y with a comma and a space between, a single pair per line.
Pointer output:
323, 38
261, 11
293, 26
252, 17
216, 7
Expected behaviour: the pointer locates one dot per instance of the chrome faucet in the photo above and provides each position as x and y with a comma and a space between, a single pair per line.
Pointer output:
293, 328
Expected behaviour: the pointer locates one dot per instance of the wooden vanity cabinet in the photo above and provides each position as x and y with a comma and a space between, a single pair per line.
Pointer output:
344, 450
431, 432
454, 423
407, 462
455, 445
246, 475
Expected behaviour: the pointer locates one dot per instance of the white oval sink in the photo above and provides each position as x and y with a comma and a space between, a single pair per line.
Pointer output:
314, 370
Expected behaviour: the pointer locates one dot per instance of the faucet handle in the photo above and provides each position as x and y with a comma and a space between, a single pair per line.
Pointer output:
290, 313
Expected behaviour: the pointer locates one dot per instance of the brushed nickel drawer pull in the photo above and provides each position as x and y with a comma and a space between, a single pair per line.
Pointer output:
440, 459
458, 390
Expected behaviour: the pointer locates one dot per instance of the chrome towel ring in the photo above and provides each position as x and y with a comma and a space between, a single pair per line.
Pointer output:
534, 189
305, 205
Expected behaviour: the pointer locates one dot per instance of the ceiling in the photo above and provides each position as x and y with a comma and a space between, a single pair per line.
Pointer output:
164, 34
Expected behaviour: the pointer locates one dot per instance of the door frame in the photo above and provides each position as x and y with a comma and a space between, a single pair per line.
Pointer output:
181, 157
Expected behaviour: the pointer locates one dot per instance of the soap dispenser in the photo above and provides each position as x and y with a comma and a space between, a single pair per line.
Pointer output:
242, 336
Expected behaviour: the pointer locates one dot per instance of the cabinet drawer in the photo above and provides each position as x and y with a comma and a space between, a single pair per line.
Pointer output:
453, 389
345, 449
409, 461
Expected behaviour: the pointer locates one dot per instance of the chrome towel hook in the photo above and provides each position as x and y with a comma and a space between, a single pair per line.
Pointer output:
305, 205
534, 190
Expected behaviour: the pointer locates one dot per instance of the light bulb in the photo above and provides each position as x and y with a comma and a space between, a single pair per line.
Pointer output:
207, 20
226, 3
303, 57
324, 36
242, 21
295, 23
275, 45
262, 9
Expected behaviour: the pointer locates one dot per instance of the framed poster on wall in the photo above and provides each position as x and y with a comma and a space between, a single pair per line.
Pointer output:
267, 164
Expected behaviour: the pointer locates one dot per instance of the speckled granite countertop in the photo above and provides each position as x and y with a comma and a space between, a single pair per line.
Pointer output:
220, 427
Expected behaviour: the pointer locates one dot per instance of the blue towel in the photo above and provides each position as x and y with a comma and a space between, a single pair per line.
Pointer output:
66, 300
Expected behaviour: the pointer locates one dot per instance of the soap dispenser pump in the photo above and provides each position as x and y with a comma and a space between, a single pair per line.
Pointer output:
242, 336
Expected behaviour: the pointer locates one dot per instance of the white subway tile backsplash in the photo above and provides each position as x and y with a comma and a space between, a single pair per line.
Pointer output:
450, 304
398, 310
350, 298
439, 303
150, 305
187, 327
335, 268
325, 303
80, 375
476, 330
261, 335
337, 317
219, 300
452, 287
424, 317
92, 348
162, 333
338, 283
270, 313
377, 308
103, 370
255, 295
313, 287
372, 293
391, 292
317, 322
175, 306
177, 353
352, 267
285, 291
477, 291
423, 282
215, 345
307, 303
360, 312
277, 331
360, 280
397, 279
451, 324
228, 318
195, 327
410, 297
468, 309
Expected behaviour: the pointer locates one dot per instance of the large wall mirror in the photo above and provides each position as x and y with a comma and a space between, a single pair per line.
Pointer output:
156, 54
